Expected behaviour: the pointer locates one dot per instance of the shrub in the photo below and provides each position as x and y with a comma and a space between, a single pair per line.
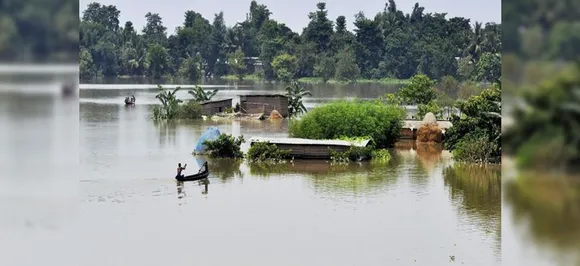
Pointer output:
479, 116
189, 110
380, 156
475, 148
431, 107
339, 119
354, 153
265, 151
225, 146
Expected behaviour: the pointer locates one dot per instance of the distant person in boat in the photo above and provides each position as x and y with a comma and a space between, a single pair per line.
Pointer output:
180, 169
132, 98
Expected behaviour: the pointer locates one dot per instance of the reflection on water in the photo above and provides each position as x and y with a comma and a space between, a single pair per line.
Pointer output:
547, 208
478, 189
180, 185
225, 169
398, 213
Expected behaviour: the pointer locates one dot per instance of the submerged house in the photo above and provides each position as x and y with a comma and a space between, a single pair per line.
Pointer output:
264, 104
311, 148
213, 107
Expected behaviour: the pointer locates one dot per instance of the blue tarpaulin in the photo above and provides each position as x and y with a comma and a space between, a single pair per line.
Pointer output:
212, 133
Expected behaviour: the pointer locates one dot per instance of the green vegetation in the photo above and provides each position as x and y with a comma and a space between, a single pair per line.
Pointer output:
40, 31
171, 108
355, 153
475, 135
295, 93
542, 80
389, 46
545, 131
169, 104
225, 146
266, 152
432, 96
381, 122
199, 95
420, 90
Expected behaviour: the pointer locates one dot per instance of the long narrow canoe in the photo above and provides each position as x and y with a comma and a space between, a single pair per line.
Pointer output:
201, 175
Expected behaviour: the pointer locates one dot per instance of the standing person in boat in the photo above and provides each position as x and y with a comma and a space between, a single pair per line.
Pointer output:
180, 169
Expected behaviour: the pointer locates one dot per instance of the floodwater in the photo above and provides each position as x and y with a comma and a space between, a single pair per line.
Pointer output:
420, 209
127, 210
38, 174
542, 211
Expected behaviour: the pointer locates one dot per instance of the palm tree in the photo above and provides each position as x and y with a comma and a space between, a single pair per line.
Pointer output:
295, 93
475, 47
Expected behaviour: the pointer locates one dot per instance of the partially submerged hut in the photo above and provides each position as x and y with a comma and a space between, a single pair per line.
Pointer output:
264, 104
311, 148
214, 107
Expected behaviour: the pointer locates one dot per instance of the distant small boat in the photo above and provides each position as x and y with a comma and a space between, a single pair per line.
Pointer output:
129, 100
67, 90
202, 174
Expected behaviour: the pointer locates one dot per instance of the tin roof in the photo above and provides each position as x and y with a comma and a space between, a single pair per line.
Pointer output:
216, 101
298, 141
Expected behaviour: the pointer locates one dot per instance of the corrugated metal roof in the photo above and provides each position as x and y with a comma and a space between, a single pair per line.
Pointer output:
216, 101
298, 141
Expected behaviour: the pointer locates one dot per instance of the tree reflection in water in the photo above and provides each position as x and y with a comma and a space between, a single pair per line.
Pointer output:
224, 169
550, 207
477, 191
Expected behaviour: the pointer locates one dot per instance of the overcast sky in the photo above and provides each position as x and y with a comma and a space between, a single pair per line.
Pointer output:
293, 13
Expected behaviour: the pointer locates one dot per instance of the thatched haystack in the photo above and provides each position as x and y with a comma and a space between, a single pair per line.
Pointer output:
429, 131
276, 115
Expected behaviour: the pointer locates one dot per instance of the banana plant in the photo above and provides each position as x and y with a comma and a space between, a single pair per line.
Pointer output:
169, 102
295, 93
199, 95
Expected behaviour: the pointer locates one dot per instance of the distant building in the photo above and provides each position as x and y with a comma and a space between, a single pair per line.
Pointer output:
214, 107
264, 104
253, 64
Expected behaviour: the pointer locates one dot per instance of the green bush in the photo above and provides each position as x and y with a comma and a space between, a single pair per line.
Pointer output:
380, 156
351, 119
354, 153
480, 117
189, 110
475, 148
225, 146
265, 151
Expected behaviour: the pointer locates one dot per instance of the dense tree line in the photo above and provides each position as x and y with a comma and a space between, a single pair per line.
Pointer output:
542, 29
39, 31
389, 45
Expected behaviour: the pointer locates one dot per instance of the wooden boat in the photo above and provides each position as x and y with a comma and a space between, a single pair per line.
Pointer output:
129, 101
203, 173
